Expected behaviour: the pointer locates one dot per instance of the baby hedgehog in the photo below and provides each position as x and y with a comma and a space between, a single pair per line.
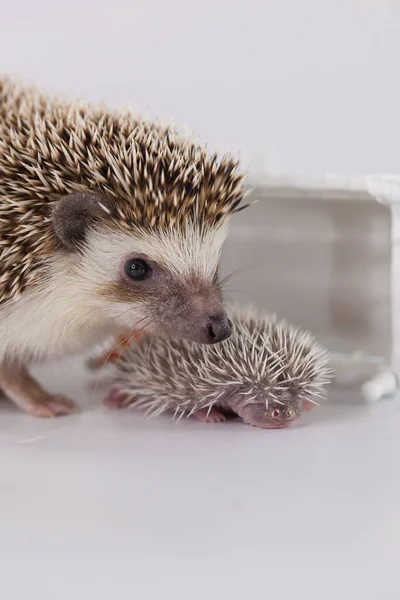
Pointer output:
107, 222
267, 372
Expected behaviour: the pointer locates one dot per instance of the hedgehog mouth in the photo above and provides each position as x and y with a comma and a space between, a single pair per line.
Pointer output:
267, 425
273, 425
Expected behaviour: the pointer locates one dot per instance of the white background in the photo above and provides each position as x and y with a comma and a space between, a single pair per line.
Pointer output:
310, 85
104, 505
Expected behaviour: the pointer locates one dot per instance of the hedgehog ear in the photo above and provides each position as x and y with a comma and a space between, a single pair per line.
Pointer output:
73, 214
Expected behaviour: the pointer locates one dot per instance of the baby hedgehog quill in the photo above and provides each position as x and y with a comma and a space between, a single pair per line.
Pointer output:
107, 222
267, 373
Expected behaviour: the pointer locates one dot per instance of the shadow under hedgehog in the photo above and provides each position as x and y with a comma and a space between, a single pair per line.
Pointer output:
107, 222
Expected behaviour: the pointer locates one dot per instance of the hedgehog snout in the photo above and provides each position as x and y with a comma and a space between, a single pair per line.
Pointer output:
204, 328
194, 312
217, 329
276, 416
210, 323
206, 319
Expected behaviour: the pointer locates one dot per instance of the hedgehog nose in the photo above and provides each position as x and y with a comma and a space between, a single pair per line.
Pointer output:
218, 328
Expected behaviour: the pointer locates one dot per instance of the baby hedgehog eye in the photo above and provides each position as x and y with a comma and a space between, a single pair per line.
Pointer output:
137, 269
276, 413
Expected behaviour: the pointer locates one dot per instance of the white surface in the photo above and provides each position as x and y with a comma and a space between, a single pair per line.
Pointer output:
312, 86
110, 505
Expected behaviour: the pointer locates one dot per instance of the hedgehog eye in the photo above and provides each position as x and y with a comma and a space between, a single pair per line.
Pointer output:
276, 413
137, 269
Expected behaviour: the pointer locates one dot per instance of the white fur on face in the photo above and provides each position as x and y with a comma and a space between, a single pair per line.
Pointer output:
65, 311
193, 252
56, 317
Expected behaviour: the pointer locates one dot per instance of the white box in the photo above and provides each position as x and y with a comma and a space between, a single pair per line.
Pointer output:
324, 253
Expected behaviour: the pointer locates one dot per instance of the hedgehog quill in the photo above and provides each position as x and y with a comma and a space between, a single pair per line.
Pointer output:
266, 373
107, 222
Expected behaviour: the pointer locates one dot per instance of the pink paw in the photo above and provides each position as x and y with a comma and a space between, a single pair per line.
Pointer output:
115, 400
53, 406
212, 416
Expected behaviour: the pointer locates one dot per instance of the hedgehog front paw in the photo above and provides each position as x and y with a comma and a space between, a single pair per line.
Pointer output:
25, 392
51, 406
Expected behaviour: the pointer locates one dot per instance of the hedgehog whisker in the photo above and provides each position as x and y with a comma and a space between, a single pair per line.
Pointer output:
115, 346
134, 334
237, 272
230, 276
122, 341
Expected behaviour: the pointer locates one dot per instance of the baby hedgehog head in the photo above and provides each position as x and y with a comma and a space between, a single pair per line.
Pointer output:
135, 210
267, 372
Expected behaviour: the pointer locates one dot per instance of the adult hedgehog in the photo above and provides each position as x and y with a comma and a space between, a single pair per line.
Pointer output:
107, 222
